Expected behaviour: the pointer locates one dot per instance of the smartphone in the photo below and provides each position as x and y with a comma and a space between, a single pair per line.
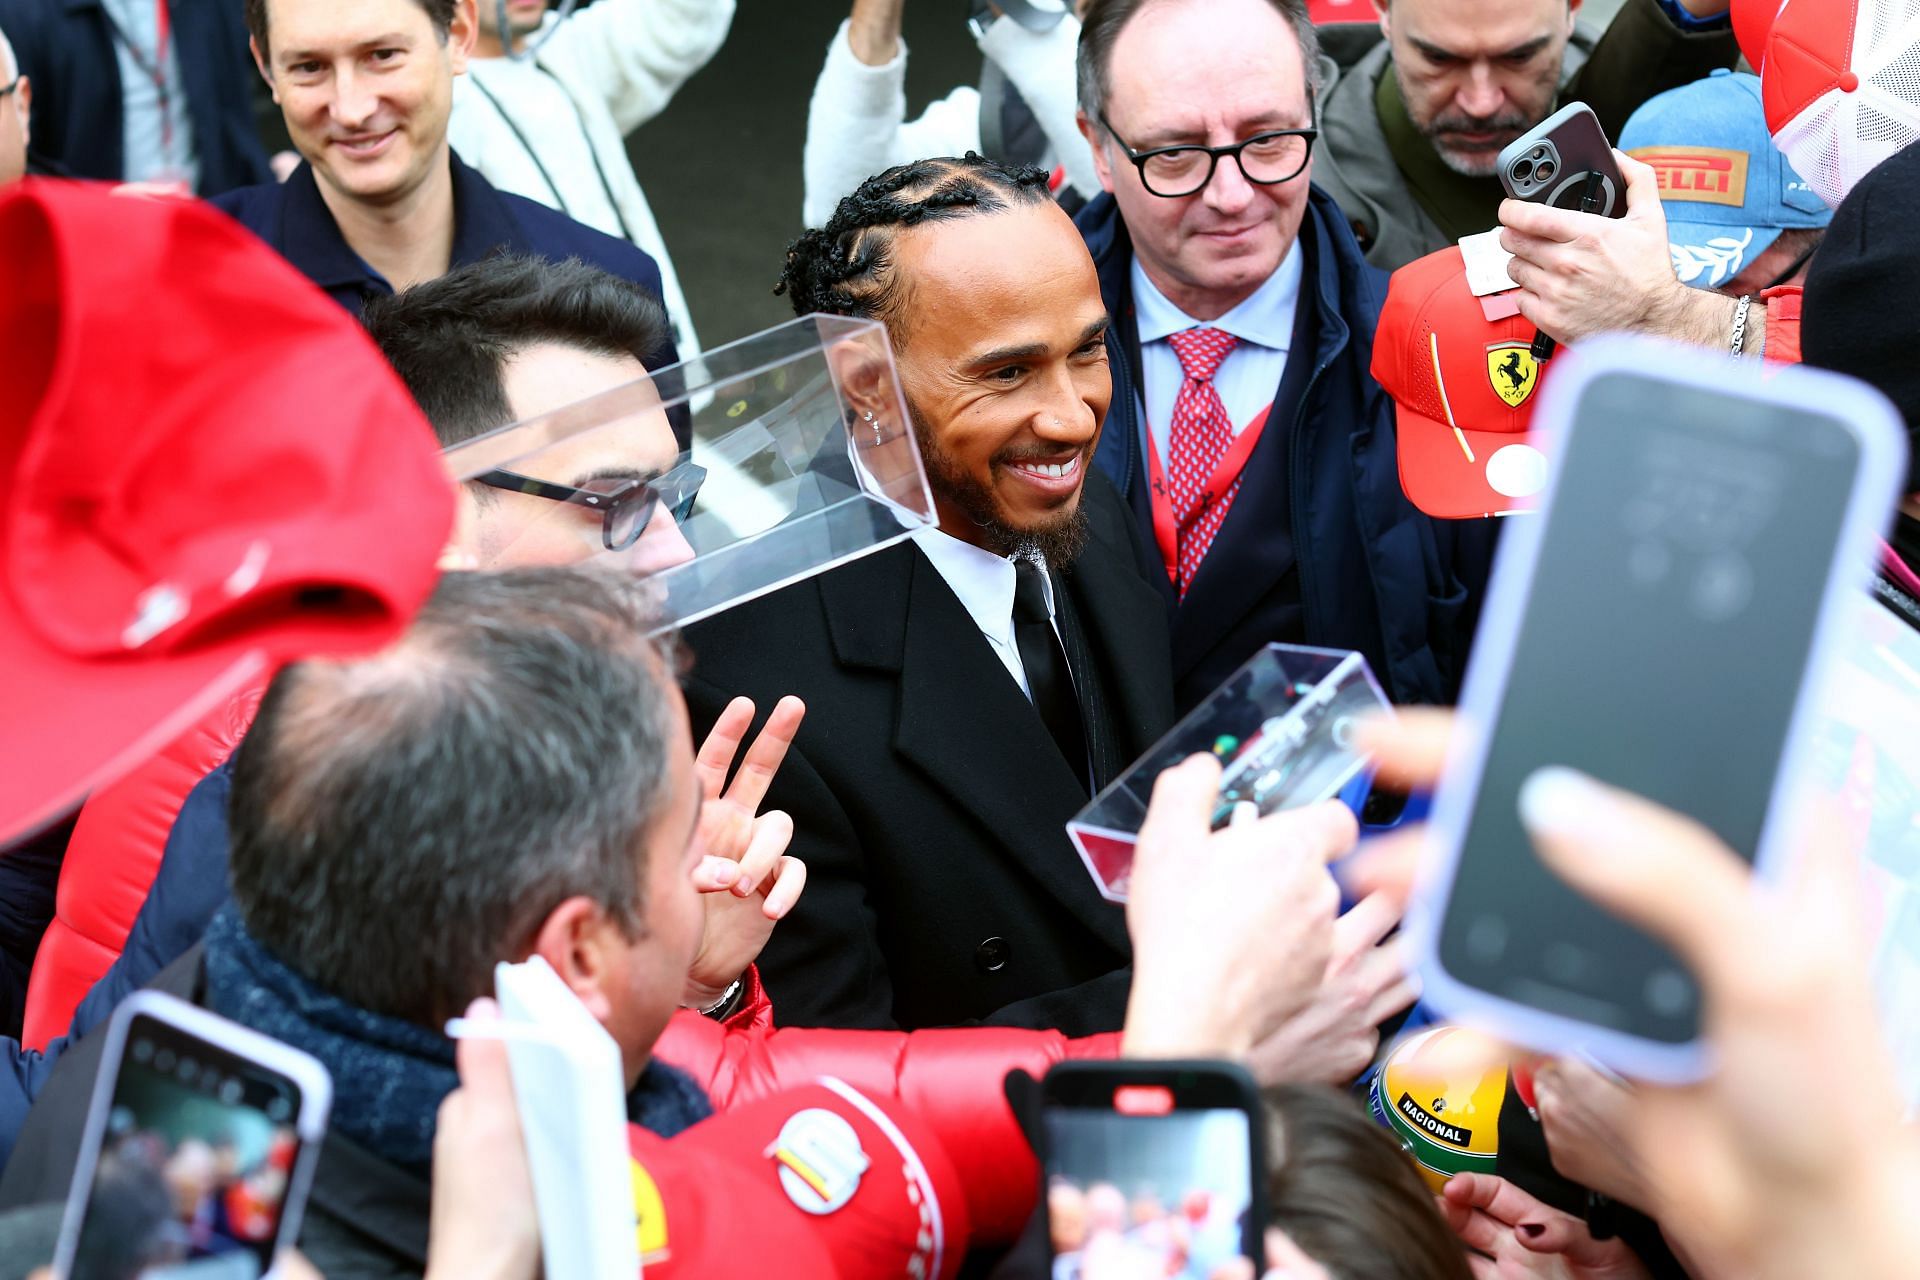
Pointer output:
1663, 625
198, 1152
1152, 1168
1565, 161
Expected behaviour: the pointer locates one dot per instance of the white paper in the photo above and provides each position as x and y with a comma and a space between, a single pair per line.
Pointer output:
1486, 264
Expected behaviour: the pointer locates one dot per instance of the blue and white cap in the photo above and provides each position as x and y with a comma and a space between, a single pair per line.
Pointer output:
1728, 191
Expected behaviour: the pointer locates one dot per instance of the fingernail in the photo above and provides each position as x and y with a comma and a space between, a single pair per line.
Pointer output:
1561, 801
743, 886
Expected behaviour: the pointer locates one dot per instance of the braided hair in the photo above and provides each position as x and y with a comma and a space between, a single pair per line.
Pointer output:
845, 267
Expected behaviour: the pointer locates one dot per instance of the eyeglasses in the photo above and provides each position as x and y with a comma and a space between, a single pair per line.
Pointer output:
1265, 159
7, 89
626, 506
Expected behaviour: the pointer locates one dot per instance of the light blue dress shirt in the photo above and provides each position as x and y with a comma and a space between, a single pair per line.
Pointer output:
1250, 374
145, 115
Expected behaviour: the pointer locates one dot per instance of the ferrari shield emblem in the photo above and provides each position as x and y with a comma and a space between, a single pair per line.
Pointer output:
1513, 371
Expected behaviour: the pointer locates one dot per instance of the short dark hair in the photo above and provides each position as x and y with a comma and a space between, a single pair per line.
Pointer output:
1348, 1196
1100, 28
439, 12
846, 267
450, 338
402, 823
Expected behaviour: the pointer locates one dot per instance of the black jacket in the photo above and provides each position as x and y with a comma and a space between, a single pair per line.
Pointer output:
66, 46
929, 802
1353, 564
365, 1217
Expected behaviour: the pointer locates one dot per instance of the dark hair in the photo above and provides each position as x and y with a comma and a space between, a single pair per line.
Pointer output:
1100, 28
450, 338
439, 12
845, 267
402, 823
1348, 1196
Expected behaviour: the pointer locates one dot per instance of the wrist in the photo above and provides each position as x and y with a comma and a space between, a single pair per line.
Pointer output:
1180, 1025
874, 41
709, 1001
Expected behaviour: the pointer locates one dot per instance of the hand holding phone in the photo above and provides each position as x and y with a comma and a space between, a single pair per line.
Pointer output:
1660, 626
1152, 1168
199, 1148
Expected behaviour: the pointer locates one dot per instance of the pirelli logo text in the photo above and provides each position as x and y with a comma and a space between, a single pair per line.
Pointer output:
1451, 1134
1706, 175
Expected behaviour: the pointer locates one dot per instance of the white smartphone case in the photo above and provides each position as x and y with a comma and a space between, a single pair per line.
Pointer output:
1882, 442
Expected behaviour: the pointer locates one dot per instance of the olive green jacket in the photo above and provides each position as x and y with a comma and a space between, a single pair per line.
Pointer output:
1640, 54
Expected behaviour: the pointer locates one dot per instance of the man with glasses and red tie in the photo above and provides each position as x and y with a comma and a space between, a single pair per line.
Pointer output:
1255, 449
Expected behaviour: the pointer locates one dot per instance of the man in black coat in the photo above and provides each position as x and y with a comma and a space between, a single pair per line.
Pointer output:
968, 690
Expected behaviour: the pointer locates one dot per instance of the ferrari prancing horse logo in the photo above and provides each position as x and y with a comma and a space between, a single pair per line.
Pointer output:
1513, 372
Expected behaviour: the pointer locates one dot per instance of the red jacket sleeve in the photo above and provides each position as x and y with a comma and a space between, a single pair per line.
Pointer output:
950, 1080
1783, 323
821, 1181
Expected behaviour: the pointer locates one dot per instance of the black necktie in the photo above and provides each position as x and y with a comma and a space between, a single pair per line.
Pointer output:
1046, 665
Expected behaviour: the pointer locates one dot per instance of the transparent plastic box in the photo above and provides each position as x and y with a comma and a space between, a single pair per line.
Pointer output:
727, 476
1282, 726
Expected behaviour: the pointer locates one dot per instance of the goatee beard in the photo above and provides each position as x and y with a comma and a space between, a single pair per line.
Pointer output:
1058, 542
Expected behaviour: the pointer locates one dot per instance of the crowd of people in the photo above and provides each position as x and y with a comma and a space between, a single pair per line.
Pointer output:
316, 737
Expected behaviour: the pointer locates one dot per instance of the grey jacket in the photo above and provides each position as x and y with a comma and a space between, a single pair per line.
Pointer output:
1640, 54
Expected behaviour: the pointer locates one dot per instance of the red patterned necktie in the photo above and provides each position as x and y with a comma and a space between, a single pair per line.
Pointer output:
1199, 438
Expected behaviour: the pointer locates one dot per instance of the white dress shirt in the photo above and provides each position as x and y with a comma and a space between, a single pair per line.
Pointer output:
984, 582
1248, 377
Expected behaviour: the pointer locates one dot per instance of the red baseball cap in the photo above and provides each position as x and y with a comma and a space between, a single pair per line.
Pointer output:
206, 470
1465, 389
1837, 82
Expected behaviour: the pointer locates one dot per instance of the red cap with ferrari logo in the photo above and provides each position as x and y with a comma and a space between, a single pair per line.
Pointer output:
1465, 387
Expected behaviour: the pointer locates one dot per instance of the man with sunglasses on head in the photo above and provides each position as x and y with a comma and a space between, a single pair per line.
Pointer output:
1246, 433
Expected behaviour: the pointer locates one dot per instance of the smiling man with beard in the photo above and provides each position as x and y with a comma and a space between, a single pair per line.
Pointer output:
967, 690
1414, 114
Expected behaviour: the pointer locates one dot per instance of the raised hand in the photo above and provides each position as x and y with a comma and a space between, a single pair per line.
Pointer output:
748, 881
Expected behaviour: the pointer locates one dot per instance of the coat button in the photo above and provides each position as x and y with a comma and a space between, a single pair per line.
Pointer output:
992, 955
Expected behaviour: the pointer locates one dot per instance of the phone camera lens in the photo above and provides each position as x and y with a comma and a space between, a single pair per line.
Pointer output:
1522, 170
1544, 171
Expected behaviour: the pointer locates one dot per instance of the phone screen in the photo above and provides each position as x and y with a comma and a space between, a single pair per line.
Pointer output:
1148, 1195
194, 1166
1665, 637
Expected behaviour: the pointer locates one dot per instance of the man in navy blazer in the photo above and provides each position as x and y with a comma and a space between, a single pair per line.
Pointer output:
75, 52
379, 201
1242, 338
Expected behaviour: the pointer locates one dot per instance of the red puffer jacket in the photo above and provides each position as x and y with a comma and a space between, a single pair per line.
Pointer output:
110, 864
947, 1080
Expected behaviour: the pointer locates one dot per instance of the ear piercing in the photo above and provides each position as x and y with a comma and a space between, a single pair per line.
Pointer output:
879, 433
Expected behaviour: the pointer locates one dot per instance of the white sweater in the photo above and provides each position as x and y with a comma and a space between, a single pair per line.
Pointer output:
857, 123
609, 68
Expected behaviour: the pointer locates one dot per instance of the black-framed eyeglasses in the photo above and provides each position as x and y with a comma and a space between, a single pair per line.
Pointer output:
625, 506
1265, 159
6, 90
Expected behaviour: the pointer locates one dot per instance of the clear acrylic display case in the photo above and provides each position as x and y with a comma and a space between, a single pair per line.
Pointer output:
1282, 726
765, 461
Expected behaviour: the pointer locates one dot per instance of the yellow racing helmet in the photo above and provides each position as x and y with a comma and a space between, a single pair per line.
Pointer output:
1439, 1093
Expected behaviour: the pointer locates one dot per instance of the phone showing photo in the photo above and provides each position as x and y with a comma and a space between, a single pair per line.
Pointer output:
1663, 625
1152, 1168
198, 1152
1565, 161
